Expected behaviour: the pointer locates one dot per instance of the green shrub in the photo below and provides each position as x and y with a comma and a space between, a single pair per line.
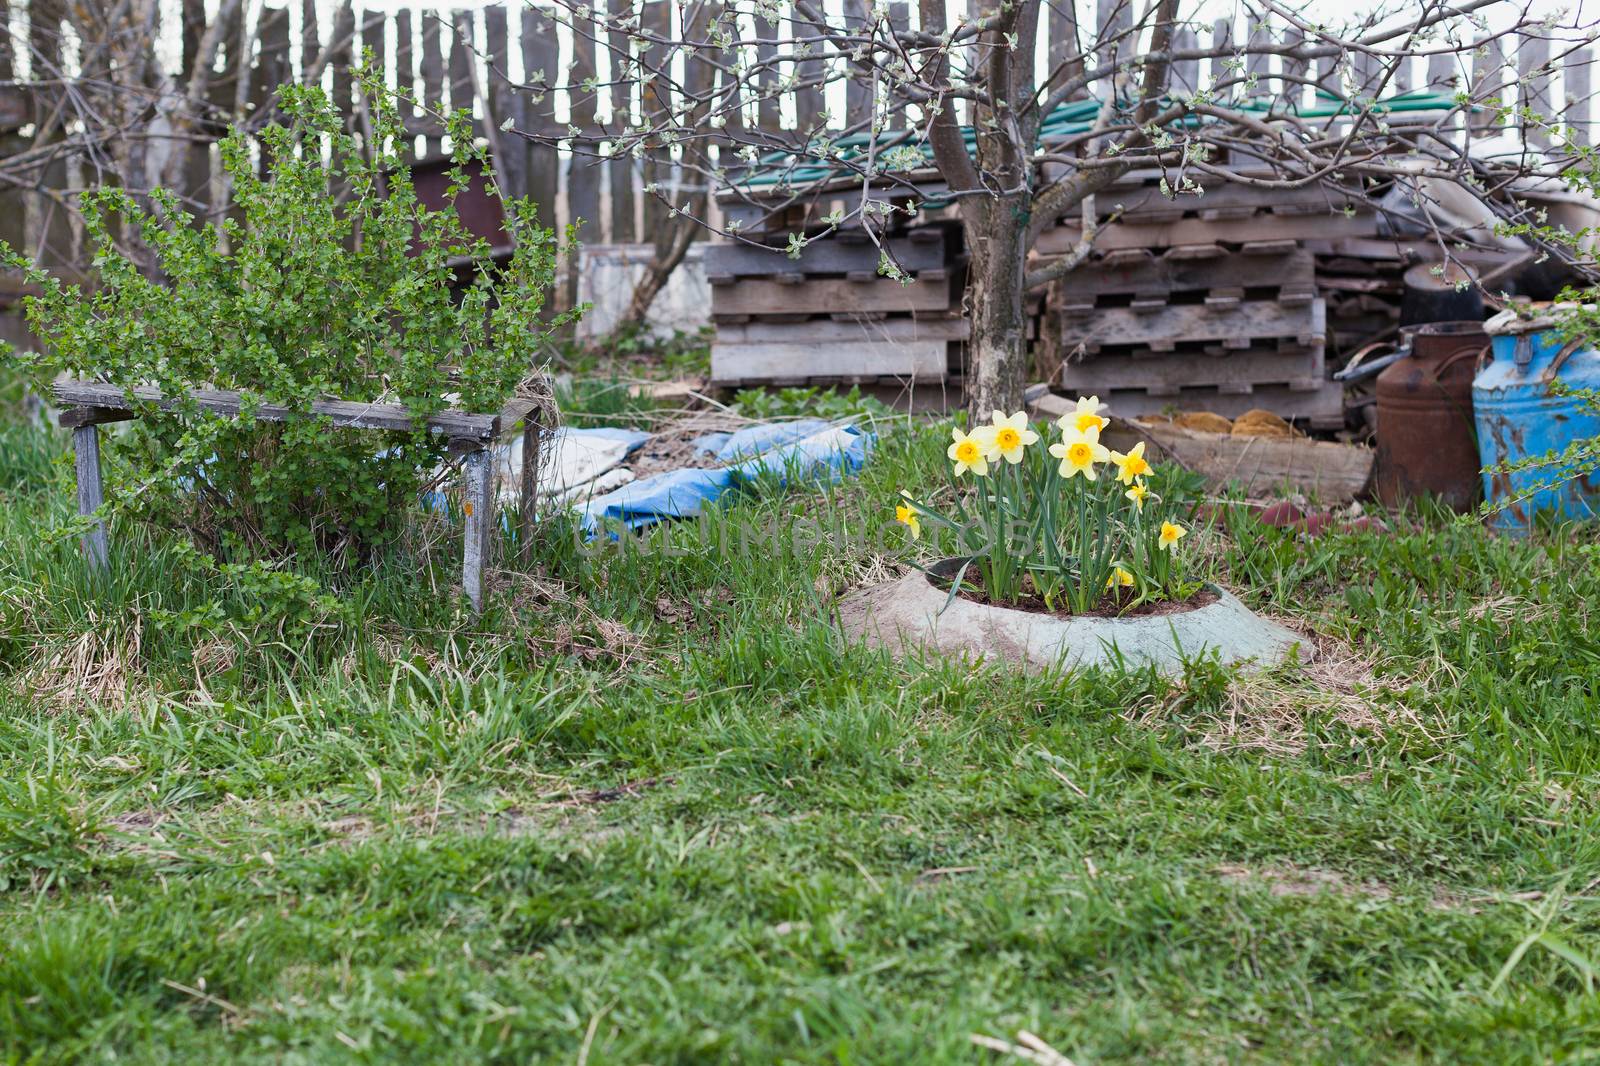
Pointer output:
333, 281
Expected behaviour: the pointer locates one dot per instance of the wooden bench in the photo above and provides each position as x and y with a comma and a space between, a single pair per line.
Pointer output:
87, 406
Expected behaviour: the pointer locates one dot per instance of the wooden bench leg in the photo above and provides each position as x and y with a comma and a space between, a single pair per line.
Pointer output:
86, 448
479, 508
530, 487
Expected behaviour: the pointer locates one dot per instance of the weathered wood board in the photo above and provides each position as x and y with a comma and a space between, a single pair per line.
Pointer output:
769, 361
837, 331
914, 253
1060, 240
1167, 273
1161, 327
821, 296
1322, 409
1145, 202
346, 414
1305, 368
1327, 471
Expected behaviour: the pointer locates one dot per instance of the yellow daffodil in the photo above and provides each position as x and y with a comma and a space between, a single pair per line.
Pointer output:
1119, 578
1131, 465
970, 451
907, 517
1085, 417
1170, 535
1078, 451
1136, 492
1010, 436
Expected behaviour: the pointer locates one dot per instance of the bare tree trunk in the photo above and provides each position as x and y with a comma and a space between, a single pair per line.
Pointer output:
998, 349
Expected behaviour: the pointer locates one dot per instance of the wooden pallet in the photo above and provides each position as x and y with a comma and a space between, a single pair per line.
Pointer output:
1235, 324
1265, 232
1301, 369
804, 362
1139, 276
1321, 409
818, 331
797, 295
849, 252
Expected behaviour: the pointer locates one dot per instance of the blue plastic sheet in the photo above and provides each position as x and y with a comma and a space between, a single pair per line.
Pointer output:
827, 453
755, 440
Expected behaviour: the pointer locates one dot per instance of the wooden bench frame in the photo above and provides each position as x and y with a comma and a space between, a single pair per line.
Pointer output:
87, 406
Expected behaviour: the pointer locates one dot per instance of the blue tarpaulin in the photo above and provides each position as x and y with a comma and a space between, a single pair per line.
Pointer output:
826, 453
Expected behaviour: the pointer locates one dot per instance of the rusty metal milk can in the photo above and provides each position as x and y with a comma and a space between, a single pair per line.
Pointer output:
1426, 441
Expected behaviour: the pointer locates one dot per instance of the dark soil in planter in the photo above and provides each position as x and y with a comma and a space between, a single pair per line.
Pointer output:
1112, 605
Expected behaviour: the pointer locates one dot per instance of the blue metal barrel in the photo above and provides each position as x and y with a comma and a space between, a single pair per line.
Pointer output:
1518, 417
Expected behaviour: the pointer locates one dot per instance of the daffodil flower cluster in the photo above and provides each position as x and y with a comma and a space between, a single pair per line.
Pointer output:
1053, 527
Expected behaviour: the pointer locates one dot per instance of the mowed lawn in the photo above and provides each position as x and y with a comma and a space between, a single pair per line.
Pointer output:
651, 808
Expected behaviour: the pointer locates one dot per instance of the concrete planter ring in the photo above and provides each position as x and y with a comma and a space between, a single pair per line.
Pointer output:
917, 613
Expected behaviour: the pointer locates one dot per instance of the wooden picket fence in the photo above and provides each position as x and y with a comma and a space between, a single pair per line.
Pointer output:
482, 59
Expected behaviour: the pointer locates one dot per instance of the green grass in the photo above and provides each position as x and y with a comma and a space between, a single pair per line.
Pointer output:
650, 808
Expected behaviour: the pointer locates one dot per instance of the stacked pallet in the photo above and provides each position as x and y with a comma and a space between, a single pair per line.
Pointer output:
1206, 302
829, 317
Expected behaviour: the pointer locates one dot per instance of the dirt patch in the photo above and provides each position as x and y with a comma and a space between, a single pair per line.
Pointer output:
1307, 882
1114, 604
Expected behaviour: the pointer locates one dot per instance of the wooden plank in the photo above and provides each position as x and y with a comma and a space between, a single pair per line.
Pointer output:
432, 80
769, 114
1065, 53
767, 360
1327, 471
1137, 200
619, 170
1253, 319
837, 331
478, 512
1488, 84
511, 155
1443, 72
344, 24
529, 495
760, 296
345, 414
1533, 87
900, 25
808, 99
1186, 72
310, 36
1255, 366
1061, 239
858, 105
540, 56
1222, 69
826, 256
463, 94
272, 62
584, 69
1258, 64
373, 40
1576, 86
86, 460
1294, 272
1322, 409
405, 74
8, 47
1113, 42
